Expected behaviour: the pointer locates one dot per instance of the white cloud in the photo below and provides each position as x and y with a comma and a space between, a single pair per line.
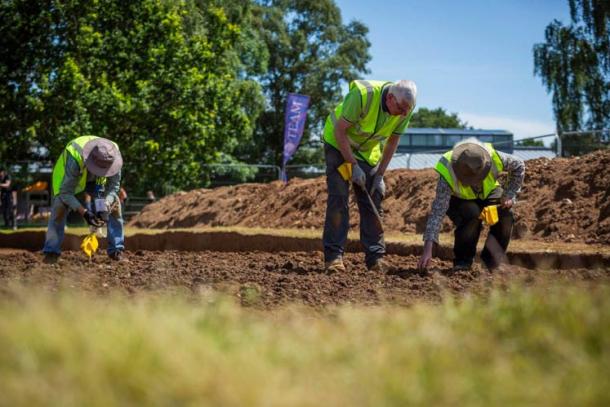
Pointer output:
521, 128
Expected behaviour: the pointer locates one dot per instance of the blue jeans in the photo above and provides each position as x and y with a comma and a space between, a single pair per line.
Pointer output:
336, 224
57, 222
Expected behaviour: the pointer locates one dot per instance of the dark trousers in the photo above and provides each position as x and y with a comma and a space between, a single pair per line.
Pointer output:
336, 224
465, 216
7, 210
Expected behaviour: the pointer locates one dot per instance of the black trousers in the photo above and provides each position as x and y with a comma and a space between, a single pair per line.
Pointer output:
465, 216
336, 224
7, 210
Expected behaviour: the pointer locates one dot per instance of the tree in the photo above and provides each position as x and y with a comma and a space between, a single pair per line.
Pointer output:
310, 52
574, 64
438, 118
164, 79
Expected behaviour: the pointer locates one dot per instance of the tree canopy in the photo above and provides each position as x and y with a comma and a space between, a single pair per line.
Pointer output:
424, 117
574, 65
177, 84
159, 77
312, 52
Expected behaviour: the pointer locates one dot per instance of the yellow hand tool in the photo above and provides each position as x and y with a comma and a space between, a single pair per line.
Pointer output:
489, 215
90, 245
345, 170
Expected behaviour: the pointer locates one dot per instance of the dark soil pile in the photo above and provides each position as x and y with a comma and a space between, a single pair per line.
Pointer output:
267, 280
564, 199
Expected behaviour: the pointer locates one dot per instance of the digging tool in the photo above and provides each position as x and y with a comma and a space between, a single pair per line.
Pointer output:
345, 170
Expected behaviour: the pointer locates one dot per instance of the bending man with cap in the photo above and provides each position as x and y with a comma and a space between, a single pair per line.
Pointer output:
467, 184
372, 113
91, 164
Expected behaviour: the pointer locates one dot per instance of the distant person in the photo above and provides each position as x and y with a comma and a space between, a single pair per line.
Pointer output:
15, 196
92, 163
468, 182
371, 112
6, 198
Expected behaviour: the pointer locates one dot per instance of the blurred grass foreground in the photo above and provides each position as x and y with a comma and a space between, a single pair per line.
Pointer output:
538, 346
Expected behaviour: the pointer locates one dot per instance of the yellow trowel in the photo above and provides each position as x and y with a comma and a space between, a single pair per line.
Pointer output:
489, 215
90, 245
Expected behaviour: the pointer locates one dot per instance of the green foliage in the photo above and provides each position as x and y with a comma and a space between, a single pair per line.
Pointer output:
310, 52
163, 79
574, 64
519, 346
436, 118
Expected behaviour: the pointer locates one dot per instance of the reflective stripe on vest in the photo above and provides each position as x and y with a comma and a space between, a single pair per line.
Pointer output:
445, 169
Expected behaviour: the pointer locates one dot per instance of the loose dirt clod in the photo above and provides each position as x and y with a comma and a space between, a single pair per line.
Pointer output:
267, 280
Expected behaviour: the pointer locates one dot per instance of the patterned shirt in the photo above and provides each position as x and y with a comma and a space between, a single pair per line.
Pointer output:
70, 182
516, 171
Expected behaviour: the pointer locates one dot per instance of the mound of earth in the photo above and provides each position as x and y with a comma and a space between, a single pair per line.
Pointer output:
562, 199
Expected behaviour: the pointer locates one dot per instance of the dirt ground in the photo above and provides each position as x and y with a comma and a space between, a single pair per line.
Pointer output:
564, 199
268, 280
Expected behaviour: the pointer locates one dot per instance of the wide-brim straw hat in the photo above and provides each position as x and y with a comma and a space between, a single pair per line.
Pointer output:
471, 163
102, 157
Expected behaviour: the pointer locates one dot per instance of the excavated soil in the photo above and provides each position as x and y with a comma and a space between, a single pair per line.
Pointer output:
267, 280
563, 199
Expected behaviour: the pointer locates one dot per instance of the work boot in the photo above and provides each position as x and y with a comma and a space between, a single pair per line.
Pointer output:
334, 266
462, 266
50, 258
116, 256
379, 266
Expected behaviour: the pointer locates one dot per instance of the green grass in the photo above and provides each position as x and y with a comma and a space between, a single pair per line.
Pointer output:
520, 347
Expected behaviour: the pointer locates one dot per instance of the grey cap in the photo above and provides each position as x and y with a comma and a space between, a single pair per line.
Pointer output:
102, 157
471, 162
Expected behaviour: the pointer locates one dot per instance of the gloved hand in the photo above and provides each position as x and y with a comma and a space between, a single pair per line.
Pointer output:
92, 219
378, 185
358, 176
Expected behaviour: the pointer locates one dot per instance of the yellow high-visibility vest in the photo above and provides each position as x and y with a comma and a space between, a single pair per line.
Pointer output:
362, 135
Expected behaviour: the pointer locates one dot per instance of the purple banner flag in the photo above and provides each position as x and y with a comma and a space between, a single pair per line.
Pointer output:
294, 123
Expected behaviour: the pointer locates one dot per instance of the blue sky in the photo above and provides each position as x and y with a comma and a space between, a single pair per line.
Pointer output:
470, 57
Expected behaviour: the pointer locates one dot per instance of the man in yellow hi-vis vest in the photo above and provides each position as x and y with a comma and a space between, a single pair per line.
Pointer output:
91, 164
467, 184
372, 113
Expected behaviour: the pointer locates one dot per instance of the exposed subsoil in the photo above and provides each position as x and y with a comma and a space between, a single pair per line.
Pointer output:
563, 199
267, 280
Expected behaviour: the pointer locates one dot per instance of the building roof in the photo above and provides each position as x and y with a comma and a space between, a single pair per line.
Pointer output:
470, 132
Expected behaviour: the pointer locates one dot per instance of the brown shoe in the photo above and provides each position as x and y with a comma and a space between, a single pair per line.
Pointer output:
334, 266
379, 266
116, 256
50, 258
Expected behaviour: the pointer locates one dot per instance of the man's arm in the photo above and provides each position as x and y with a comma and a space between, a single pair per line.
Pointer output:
516, 172
435, 220
113, 186
342, 141
388, 152
6, 183
69, 184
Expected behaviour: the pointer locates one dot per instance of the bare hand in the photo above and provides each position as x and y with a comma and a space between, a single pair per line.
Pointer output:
426, 257
507, 202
